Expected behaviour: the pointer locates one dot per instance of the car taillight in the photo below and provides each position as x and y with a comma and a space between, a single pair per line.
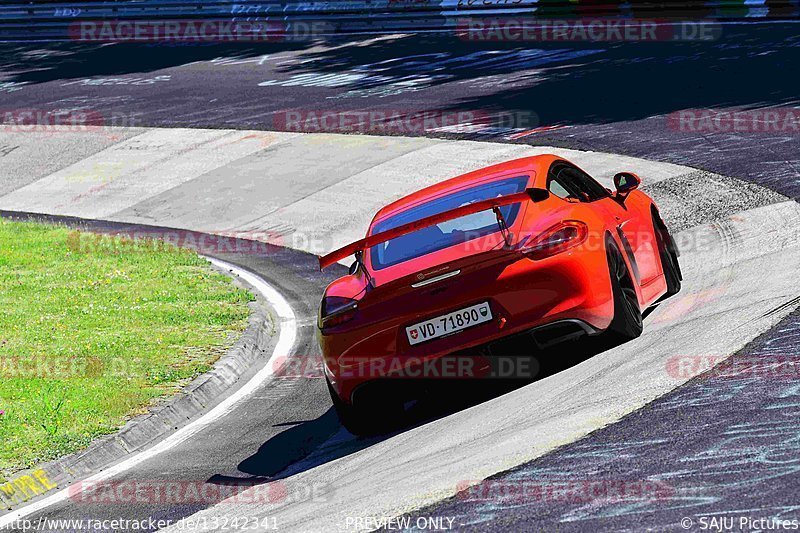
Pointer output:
336, 310
557, 239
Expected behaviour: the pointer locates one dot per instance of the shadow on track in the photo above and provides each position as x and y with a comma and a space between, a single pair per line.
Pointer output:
39, 63
559, 82
584, 82
311, 443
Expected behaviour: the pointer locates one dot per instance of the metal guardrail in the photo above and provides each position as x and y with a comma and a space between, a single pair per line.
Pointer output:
52, 19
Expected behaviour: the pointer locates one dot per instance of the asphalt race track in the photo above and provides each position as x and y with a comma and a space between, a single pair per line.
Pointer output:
719, 444
614, 97
725, 444
297, 440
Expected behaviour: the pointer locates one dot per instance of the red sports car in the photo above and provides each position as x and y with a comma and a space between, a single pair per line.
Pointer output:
533, 246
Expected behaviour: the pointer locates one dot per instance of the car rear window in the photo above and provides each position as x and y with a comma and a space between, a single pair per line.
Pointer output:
449, 233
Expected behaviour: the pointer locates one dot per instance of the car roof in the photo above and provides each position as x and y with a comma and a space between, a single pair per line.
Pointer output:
537, 163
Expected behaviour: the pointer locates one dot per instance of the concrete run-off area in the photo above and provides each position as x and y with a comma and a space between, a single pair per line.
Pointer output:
316, 192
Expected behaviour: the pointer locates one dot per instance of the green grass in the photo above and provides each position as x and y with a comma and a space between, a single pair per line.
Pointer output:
91, 335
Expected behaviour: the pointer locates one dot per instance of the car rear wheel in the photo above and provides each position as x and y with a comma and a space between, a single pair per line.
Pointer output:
669, 257
355, 420
627, 321
366, 417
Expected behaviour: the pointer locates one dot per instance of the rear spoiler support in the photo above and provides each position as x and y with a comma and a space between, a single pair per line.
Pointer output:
501, 222
359, 254
357, 248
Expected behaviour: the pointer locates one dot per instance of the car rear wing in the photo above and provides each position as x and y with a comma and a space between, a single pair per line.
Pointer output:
536, 195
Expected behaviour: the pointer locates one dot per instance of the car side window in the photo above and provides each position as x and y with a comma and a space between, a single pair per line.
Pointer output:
555, 186
587, 184
569, 182
560, 183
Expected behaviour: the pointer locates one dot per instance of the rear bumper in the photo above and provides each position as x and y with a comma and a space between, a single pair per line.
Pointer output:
469, 363
552, 300
560, 331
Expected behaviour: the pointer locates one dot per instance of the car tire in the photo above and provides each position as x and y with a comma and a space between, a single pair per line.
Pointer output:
353, 419
364, 418
669, 257
627, 322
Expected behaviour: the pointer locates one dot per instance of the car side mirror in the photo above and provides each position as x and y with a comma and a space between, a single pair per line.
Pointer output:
353, 268
538, 195
625, 182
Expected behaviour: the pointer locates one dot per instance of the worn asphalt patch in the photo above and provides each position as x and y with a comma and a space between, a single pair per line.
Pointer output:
723, 445
224, 88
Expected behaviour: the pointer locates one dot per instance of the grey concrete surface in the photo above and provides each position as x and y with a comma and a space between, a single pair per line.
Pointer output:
284, 188
604, 96
607, 97
716, 313
30, 155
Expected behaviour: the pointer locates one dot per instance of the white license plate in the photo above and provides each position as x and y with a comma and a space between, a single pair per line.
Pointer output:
449, 323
